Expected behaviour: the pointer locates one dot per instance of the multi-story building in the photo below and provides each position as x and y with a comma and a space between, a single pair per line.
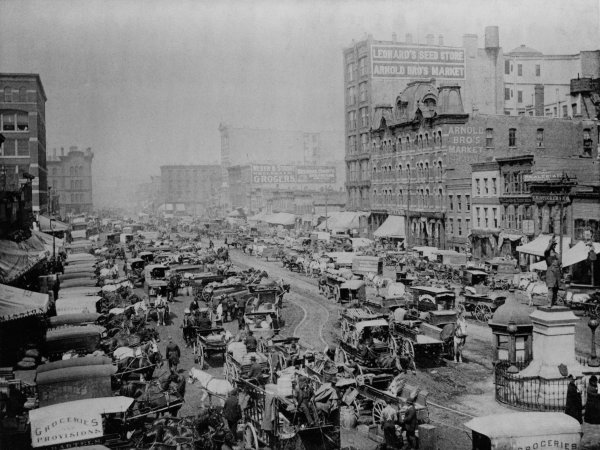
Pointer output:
375, 71
422, 150
23, 125
248, 146
525, 68
485, 208
195, 187
70, 179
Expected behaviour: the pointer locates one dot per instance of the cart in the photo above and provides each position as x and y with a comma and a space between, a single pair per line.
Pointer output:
209, 343
264, 323
482, 306
237, 367
342, 289
81, 340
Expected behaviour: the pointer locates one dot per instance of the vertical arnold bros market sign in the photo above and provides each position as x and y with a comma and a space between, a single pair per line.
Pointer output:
416, 61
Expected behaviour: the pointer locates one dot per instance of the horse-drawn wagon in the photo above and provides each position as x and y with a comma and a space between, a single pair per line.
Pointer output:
238, 365
479, 301
81, 340
209, 343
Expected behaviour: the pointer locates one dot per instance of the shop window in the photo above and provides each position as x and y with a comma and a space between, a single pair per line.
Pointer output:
540, 137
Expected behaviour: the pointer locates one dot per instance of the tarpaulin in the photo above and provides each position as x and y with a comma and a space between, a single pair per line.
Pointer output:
17, 258
580, 252
51, 244
393, 227
17, 303
539, 245
342, 221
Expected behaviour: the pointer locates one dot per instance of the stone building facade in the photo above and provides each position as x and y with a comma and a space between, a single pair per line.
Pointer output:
194, 186
70, 179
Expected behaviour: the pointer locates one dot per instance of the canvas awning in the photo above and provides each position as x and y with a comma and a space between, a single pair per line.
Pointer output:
539, 245
342, 221
393, 227
51, 243
18, 303
49, 226
284, 219
579, 252
16, 258
258, 217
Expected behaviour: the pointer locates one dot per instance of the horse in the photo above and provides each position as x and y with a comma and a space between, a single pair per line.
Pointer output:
460, 337
142, 360
210, 386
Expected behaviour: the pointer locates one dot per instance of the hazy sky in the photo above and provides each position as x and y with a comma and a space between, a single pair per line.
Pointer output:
146, 83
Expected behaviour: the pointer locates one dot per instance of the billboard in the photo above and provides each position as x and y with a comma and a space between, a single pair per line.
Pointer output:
416, 61
288, 174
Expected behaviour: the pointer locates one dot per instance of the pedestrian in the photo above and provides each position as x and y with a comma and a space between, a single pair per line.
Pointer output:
232, 411
194, 305
225, 309
410, 423
161, 308
173, 354
573, 405
389, 418
204, 322
186, 326
250, 342
240, 319
592, 404
460, 337
553, 272
302, 403
256, 370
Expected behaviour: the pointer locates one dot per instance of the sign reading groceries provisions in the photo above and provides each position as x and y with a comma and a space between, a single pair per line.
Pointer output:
64, 427
282, 174
417, 61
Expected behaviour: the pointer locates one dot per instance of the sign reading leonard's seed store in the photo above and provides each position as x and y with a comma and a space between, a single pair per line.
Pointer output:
416, 61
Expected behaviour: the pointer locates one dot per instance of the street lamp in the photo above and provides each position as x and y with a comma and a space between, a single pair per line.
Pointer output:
512, 349
593, 360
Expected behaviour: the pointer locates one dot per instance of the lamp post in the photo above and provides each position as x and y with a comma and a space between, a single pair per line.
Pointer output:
593, 360
512, 349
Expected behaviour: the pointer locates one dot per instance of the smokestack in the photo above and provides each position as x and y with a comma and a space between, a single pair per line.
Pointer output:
539, 100
394, 37
429, 39
408, 38
492, 37
440, 40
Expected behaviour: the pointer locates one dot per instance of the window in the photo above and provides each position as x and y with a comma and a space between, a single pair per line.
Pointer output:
485, 186
489, 137
364, 117
494, 187
502, 347
451, 202
22, 122
477, 186
520, 96
8, 122
540, 137
507, 67
468, 224
495, 217
520, 70
459, 226
451, 226
587, 143
350, 71
574, 108
565, 111
362, 90
478, 216
538, 70
506, 94
364, 144
7, 94
362, 66
459, 202
352, 120
468, 202
486, 217
351, 96
512, 137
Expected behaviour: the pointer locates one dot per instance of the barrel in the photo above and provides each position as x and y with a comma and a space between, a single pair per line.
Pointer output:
348, 417
284, 385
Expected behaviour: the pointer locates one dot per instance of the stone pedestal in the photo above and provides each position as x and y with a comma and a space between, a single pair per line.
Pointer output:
553, 343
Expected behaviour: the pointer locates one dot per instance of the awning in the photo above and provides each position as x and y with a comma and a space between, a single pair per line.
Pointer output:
51, 243
393, 227
539, 245
17, 258
284, 219
76, 305
259, 217
48, 226
540, 265
17, 303
342, 221
578, 253
371, 324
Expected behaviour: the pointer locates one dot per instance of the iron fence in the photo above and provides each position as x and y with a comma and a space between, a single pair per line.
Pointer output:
530, 393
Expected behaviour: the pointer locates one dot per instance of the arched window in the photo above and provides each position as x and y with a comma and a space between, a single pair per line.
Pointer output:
399, 145
440, 138
428, 199
427, 139
427, 169
440, 169
408, 170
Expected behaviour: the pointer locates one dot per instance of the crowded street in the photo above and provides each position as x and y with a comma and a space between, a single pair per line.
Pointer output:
299, 225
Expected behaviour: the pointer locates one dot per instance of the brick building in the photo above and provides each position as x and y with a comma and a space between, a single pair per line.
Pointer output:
70, 179
376, 70
195, 187
23, 125
422, 152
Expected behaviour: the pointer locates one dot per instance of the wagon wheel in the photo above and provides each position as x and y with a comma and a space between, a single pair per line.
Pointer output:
206, 293
378, 407
250, 438
483, 312
200, 357
597, 310
408, 350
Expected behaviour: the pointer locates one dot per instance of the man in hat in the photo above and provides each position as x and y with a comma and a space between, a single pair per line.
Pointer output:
232, 411
187, 326
204, 323
250, 342
256, 371
173, 354
553, 273
194, 305
410, 423
389, 418
302, 401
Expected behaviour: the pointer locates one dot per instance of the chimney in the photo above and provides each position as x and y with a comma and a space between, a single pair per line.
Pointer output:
440, 40
62, 151
470, 45
539, 100
408, 38
492, 37
394, 38
450, 100
429, 39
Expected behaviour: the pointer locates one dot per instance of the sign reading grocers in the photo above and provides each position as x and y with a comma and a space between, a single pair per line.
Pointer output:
402, 61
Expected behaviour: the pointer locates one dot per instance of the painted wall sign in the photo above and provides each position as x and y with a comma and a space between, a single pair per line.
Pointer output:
287, 174
406, 61
57, 429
